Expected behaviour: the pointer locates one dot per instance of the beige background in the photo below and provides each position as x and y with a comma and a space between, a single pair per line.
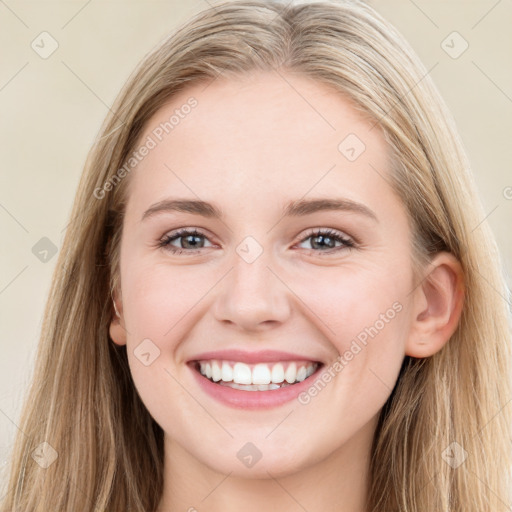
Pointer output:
51, 110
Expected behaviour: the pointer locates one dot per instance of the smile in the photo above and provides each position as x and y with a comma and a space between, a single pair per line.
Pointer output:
256, 377
260, 379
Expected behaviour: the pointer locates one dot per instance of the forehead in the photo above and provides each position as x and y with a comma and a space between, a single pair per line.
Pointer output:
265, 133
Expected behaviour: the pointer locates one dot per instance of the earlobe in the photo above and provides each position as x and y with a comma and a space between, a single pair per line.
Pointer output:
438, 303
116, 330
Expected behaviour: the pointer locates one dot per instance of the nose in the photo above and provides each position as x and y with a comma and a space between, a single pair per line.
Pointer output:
253, 297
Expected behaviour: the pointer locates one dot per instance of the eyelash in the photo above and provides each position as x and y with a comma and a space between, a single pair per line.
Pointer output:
329, 233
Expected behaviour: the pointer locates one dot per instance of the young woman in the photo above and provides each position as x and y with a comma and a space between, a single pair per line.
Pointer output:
277, 290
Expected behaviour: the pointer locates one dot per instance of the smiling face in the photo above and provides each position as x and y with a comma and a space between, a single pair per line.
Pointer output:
258, 276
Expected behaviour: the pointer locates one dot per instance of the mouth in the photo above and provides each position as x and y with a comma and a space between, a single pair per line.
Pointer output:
262, 376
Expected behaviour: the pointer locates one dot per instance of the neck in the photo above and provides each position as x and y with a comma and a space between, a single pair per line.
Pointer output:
338, 483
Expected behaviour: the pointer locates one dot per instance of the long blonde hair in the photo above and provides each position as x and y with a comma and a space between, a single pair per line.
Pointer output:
82, 400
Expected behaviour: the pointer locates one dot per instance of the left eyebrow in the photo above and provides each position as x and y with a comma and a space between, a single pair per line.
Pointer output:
308, 206
186, 206
300, 207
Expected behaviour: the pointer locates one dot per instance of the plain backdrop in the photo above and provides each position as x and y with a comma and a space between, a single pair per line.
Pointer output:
52, 108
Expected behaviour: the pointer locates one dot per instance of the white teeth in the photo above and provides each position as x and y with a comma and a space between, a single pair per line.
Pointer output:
291, 373
206, 369
216, 372
261, 374
242, 374
227, 372
278, 373
266, 376
301, 374
251, 387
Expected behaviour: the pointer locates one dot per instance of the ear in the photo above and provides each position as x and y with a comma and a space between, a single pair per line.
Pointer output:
117, 331
438, 305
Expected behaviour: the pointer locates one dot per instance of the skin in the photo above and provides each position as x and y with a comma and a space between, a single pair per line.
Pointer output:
270, 141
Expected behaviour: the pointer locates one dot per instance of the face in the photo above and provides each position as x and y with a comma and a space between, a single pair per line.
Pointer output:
278, 278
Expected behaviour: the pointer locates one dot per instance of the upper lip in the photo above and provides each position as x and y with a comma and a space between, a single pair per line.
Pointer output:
261, 356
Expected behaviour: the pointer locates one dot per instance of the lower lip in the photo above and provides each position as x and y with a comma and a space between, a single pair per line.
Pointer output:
253, 399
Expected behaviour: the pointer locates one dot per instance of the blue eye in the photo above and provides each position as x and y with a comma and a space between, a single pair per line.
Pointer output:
191, 241
189, 237
328, 238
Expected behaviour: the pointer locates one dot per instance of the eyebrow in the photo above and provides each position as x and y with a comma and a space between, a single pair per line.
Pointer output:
296, 208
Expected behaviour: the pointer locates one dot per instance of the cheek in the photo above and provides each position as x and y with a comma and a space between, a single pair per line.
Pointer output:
363, 313
158, 304
348, 301
159, 301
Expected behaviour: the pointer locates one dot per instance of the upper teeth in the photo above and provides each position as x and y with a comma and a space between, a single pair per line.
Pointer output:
261, 373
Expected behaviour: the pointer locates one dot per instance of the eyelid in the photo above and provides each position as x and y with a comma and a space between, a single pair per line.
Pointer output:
333, 231
182, 232
347, 241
